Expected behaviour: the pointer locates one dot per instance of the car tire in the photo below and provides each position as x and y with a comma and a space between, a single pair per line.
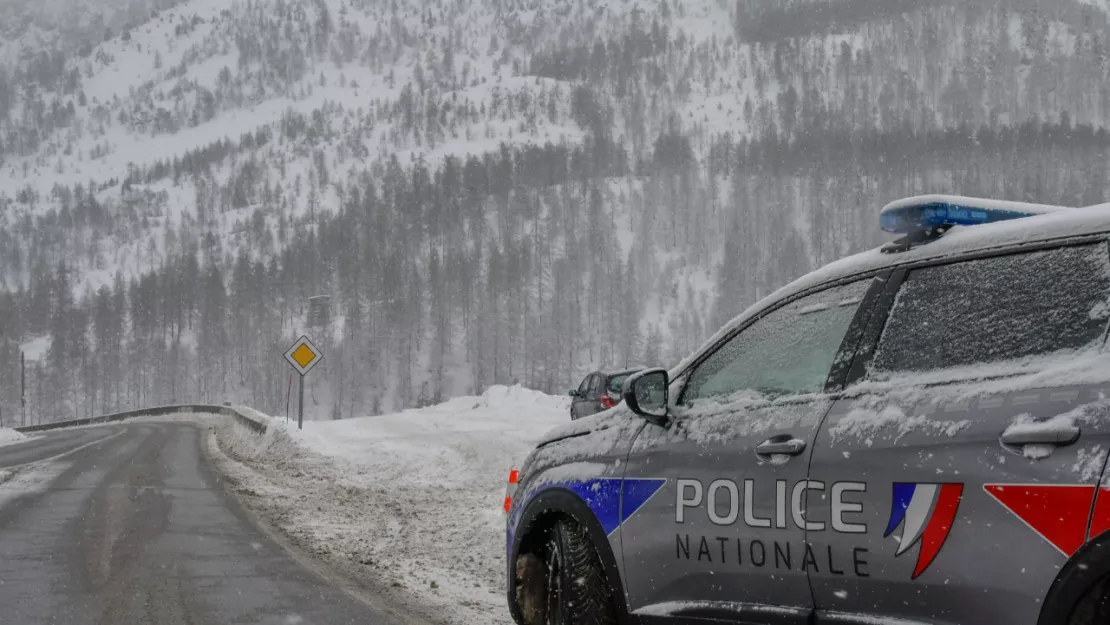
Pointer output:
577, 592
1094, 607
573, 414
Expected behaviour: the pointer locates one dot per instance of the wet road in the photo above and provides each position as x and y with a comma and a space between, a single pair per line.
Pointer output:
126, 524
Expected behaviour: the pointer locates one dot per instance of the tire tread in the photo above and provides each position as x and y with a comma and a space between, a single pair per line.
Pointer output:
588, 598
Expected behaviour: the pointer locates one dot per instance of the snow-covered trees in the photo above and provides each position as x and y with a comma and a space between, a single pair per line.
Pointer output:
630, 185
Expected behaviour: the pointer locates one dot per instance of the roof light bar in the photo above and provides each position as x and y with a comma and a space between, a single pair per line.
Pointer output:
928, 212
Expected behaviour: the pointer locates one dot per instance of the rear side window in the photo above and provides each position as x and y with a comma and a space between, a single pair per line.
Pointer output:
996, 309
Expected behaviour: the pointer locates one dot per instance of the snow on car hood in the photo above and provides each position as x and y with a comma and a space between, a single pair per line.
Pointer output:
614, 417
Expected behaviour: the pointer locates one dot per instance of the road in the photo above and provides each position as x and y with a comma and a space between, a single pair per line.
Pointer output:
130, 526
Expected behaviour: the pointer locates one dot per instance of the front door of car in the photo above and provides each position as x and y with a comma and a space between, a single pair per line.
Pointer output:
715, 498
978, 429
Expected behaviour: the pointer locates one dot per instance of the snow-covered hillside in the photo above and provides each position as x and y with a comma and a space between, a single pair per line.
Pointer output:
413, 499
489, 191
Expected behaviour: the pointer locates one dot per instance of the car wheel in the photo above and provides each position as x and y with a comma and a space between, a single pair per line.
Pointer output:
1094, 607
577, 592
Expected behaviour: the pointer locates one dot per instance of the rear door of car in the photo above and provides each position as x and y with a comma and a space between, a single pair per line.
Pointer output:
582, 405
977, 418
716, 526
593, 396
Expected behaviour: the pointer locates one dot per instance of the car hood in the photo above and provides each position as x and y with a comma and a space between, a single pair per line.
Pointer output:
587, 425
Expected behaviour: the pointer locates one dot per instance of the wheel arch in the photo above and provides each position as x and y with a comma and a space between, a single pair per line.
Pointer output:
1081, 572
540, 515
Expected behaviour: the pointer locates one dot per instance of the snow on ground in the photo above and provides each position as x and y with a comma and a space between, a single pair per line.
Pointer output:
9, 436
15, 483
411, 501
37, 348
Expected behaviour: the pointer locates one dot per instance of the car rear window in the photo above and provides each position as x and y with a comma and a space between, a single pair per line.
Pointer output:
616, 381
999, 308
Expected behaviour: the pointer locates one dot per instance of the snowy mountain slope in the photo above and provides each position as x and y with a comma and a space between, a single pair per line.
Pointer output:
212, 70
29, 26
498, 190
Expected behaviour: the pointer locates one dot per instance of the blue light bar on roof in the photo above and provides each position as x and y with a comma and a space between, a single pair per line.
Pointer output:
926, 212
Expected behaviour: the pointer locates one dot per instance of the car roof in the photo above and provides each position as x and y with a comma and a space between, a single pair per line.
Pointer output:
621, 371
608, 373
958, 241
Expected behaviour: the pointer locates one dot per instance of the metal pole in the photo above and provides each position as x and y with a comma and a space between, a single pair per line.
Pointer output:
300, 405
288, 392
22, 390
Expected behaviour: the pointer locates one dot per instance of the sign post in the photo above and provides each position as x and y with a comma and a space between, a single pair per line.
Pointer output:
288, 392
22, 389
303, 355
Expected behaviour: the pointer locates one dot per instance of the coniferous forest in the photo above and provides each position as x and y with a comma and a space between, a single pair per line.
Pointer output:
488, 191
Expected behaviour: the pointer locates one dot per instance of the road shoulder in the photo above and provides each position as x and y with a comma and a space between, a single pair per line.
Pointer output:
274, 494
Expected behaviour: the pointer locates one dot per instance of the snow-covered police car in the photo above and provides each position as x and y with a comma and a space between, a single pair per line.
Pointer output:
913, 435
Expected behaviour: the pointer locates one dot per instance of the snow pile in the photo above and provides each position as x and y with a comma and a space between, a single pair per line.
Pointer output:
9, 436
412, 499
454, 443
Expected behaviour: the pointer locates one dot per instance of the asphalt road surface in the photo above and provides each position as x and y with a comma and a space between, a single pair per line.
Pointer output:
126, 524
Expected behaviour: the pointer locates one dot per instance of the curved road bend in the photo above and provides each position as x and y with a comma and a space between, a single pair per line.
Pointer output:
131, 527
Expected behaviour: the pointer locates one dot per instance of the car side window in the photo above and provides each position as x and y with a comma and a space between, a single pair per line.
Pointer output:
788, 351
595, 384
584, 387
1002, 308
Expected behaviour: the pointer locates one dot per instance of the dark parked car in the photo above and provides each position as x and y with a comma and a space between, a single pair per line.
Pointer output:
598, 391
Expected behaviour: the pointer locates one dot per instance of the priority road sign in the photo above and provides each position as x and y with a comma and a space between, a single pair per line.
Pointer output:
303, 355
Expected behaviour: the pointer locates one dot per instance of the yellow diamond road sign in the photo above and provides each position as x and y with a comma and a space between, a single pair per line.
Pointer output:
303, 355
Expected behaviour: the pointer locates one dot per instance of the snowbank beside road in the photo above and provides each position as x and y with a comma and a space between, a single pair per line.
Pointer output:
9, 436
449, 445
412, 499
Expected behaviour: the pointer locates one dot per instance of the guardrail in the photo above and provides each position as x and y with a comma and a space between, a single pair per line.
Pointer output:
230, 411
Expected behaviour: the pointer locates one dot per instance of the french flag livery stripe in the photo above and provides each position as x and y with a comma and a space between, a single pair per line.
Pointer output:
926, 512
1058, 513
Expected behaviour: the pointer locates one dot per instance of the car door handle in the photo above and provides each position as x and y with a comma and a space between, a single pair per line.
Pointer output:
785, 444
1041, 434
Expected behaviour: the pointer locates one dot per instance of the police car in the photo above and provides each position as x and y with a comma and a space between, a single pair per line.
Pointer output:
916, 435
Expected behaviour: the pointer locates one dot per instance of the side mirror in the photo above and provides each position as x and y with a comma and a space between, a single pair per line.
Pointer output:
573, 392
646, 394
